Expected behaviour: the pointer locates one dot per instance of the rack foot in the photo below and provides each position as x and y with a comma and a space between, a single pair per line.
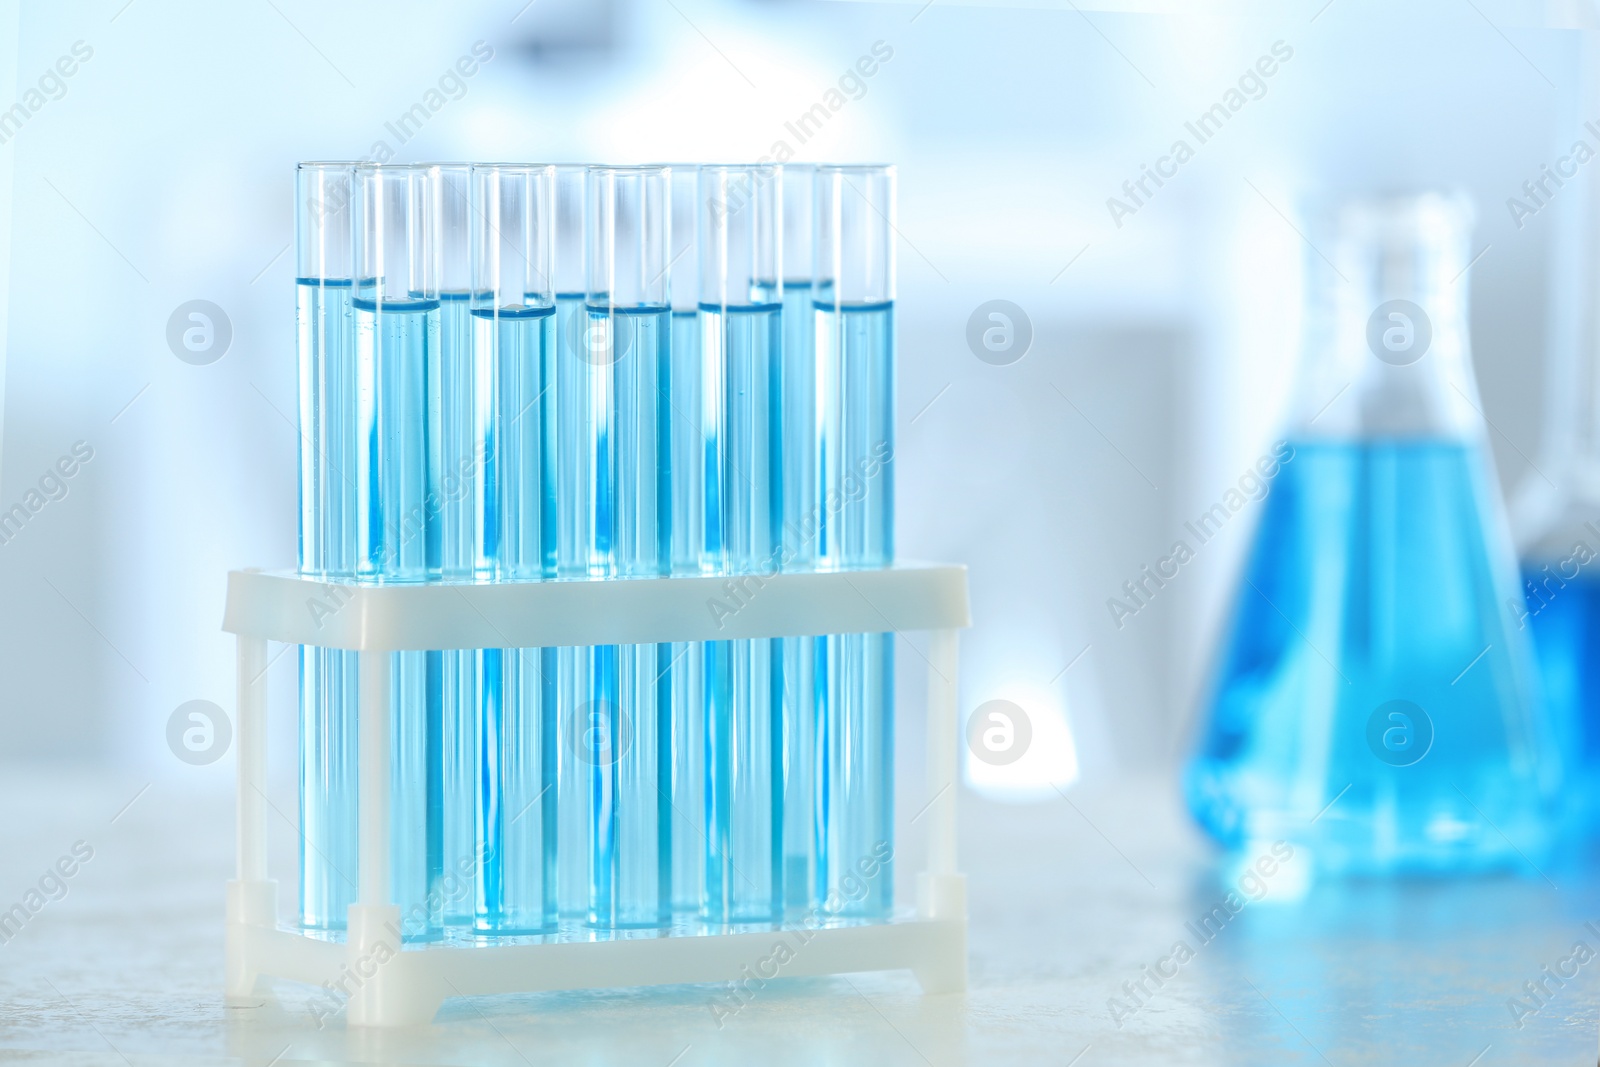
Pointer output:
248, 904
384, 989
944, 968
949, 976
944, 896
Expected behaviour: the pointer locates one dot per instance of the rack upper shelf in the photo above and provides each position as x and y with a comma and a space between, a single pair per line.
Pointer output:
398, 617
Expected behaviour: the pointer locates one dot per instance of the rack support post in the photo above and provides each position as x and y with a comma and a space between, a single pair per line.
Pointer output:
372, 940
252, 899
941, 891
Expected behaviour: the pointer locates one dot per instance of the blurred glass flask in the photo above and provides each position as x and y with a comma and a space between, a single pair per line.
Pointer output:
1375, 702
1555, 516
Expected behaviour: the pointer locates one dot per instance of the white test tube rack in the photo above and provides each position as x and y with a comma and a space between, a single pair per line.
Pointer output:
410, 985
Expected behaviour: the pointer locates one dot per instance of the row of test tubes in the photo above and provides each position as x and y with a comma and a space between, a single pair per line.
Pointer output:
547, 372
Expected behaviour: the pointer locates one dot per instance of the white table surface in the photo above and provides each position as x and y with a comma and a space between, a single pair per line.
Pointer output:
1069, 901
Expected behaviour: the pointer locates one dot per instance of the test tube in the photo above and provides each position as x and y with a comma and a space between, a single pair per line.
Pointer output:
741, 324
854, 299
458, 436
629, 318
397, 341
686, 434
576, 557
514, 337
803, 659
325, 236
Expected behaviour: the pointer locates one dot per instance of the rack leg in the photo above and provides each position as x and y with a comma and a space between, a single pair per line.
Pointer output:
388, 993
252, 897
943, 778
944, 968
942, 890
372, 844
252, 759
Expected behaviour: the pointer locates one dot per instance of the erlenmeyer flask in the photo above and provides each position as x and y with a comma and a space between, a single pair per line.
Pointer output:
1375, 703
1560, 606
1555, 516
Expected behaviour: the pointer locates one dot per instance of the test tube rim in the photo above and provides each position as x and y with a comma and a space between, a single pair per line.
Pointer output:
371, 166
506, 164
631, 168
857, 168
741, 166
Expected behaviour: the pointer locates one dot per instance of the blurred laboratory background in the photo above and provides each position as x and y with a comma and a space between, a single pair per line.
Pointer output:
1114, 217
1156, 297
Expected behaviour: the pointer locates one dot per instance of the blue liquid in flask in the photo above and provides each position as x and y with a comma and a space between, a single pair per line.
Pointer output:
1563, 613
1375, 702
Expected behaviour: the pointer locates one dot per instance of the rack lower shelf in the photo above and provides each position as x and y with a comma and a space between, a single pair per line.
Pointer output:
375, 980
381, 986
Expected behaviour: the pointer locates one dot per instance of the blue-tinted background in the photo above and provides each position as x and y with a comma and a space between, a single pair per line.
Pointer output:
161, 171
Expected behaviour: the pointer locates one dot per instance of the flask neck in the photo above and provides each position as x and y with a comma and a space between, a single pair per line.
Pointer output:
1388, 351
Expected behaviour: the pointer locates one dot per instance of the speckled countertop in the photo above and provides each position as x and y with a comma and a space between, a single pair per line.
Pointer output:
1073, 904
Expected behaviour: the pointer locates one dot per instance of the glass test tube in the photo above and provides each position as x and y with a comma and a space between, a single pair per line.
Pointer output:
514, 337
397, 341
741, 325
458, 435
576, 555
854, 300
629, 739
804, 662
686, 460
326, 341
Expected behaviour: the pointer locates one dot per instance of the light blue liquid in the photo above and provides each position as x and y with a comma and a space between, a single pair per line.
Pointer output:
395, 349
1373, 580
457, 425
517, 806
855, 354
325, 337
630, 740
582, 403
683, 690
688, 432
1561, 607
804, 666
744, 726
